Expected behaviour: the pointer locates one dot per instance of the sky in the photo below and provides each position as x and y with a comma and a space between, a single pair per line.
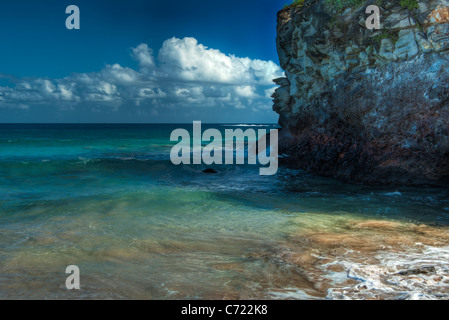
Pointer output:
139, 61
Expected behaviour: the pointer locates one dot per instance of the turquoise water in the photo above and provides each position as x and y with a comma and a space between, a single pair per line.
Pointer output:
107, 199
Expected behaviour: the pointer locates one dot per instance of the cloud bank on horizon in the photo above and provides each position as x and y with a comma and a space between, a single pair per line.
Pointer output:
180, 80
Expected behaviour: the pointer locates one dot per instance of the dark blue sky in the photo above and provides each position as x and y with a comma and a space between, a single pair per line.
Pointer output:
36, 46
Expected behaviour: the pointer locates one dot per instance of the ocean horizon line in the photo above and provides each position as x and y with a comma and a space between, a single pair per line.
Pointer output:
140, 123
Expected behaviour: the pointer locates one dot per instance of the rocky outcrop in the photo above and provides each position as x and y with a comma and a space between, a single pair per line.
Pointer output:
365, 105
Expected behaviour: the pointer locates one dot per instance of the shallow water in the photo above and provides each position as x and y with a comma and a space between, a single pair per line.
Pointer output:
107, 199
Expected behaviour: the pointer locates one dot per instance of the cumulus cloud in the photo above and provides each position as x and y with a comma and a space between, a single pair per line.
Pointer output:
187, 60
144, 55
246, 91
183, 74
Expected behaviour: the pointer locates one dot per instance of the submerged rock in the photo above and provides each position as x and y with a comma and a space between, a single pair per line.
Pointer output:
365, 105
422, 270
210, 170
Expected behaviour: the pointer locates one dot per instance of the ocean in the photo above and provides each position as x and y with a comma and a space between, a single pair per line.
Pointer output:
107, 198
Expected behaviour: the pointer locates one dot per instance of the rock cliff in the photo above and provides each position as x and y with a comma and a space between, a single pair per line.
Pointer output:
365, 105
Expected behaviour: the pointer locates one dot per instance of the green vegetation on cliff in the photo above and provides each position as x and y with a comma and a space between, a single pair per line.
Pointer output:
409, 4
295, 3
387, 34
341, 5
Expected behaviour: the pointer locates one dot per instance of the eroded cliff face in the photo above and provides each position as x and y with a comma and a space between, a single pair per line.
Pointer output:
366, 105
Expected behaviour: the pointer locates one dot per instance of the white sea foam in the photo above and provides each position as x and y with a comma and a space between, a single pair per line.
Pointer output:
383, 281
395, 193
290, 293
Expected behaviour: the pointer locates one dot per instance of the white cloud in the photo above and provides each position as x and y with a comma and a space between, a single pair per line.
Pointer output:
185, 74
246, 91
66, 92
120, 74
269, 92
144, 56
187, 60
151, 93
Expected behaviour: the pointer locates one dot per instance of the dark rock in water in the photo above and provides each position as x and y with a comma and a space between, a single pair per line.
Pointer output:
422, 270
210, 170
365, 105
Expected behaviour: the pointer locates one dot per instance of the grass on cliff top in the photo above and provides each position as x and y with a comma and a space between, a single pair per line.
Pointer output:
335, 5
409, 4
342, 5
295, 3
